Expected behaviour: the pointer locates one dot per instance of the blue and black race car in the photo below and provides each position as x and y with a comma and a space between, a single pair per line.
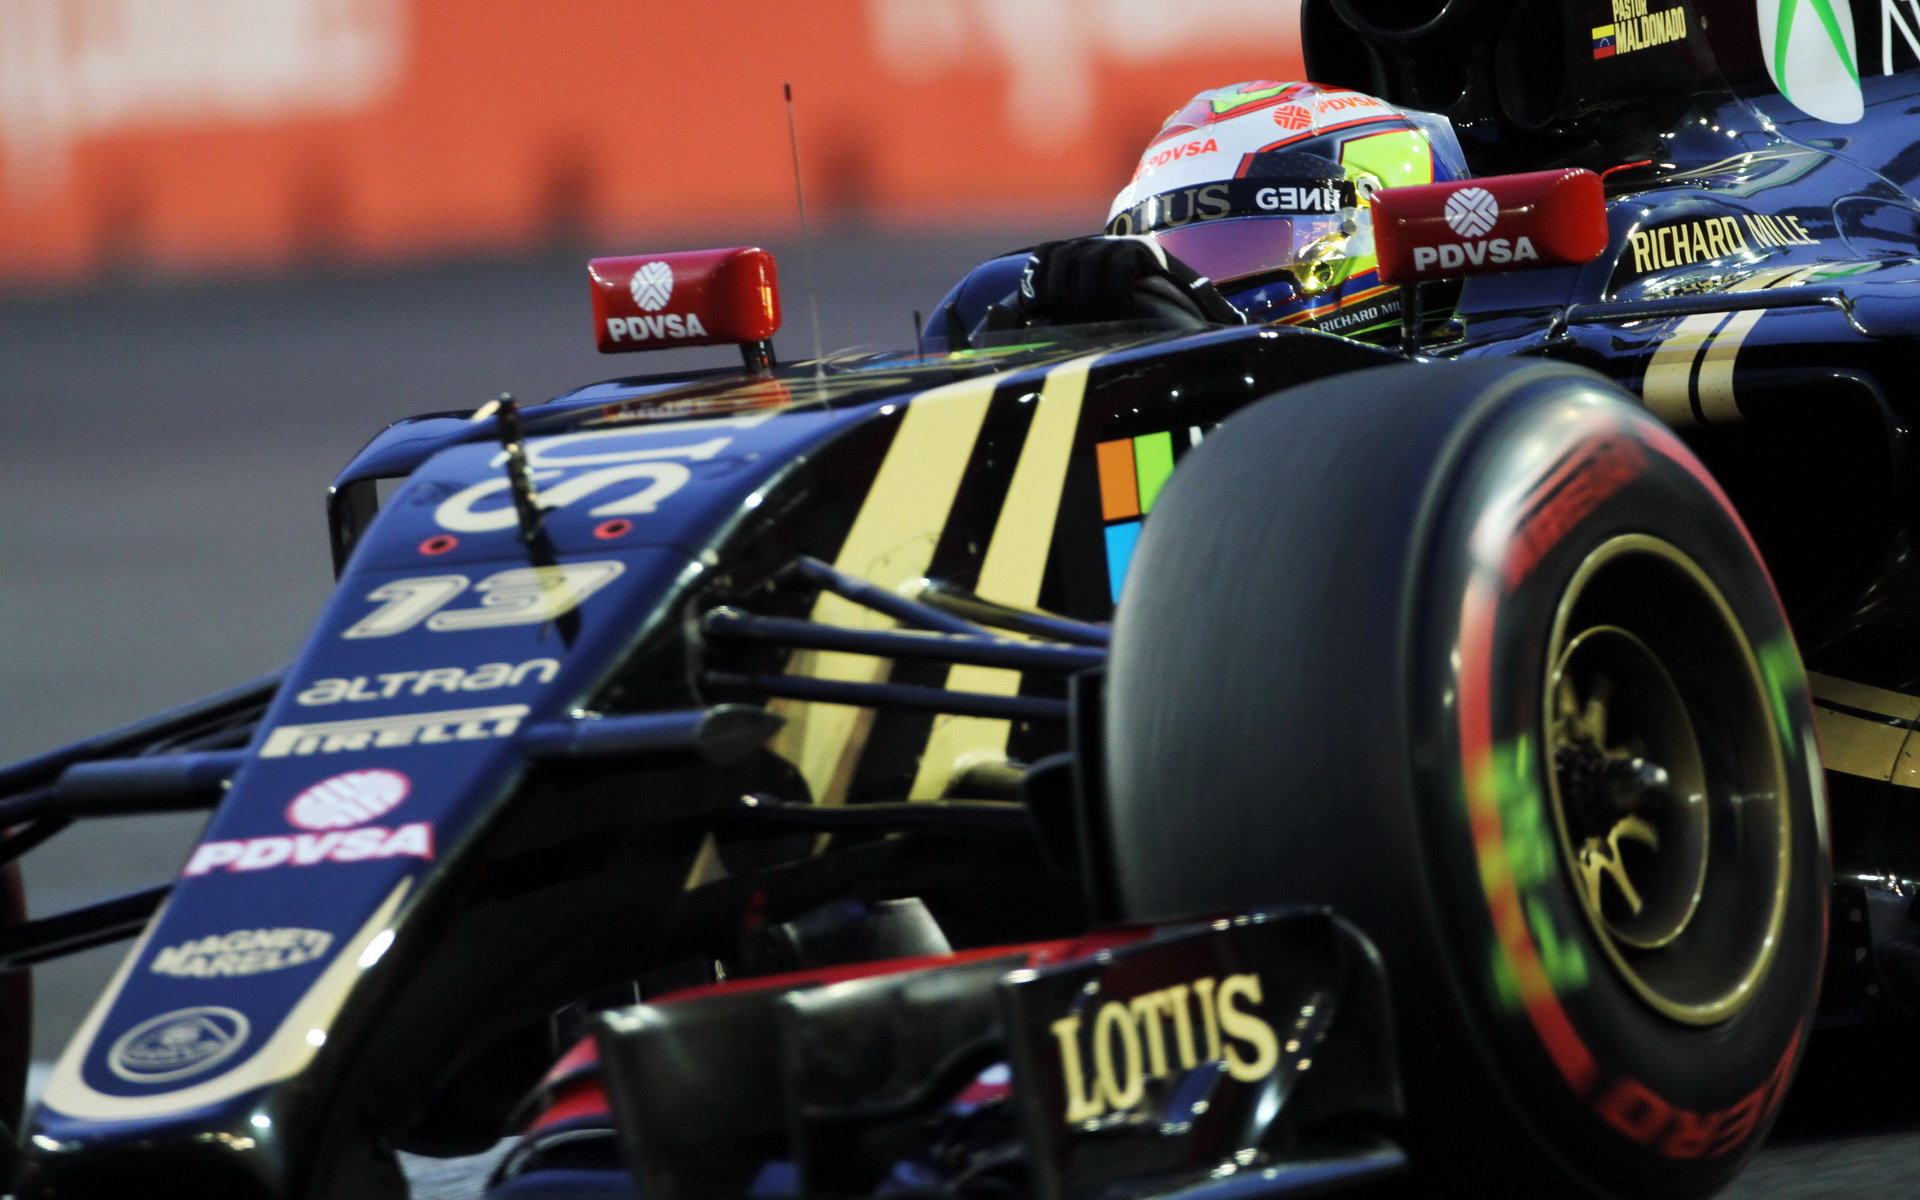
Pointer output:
1156, 758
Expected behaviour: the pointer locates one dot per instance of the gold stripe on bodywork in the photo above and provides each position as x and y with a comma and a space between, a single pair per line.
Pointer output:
1717, 405
1715, 384
1698, 357
890, 544
1667, 387
1856, 746
1852, 744
1016, 559
1864, 697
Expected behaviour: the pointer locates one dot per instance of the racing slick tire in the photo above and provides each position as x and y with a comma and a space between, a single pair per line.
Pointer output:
1479, 654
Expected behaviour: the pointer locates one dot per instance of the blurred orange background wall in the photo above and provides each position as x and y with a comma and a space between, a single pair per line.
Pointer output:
189, 135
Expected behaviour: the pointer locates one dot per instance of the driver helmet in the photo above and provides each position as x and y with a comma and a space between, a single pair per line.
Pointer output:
1262, 187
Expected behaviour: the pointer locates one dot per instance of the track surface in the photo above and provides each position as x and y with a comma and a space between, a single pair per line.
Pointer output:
164, 455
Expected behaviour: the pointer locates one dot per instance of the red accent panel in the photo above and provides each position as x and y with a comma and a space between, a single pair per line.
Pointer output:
585, 1098
1030, 954
585, 1056
690, 298
573, 1084
982, 1091
1482, 226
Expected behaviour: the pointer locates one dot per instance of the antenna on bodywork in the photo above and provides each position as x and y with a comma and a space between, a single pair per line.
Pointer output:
806, 234
526, 501
505, 415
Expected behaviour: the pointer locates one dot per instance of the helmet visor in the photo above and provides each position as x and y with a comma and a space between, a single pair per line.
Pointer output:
1242, 247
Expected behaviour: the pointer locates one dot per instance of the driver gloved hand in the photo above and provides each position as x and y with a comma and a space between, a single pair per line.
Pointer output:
1091, 279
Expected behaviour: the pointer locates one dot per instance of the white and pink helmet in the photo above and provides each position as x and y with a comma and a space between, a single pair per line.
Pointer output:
1260, 186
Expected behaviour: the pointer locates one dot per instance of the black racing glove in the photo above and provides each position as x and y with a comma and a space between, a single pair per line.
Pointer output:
1092, 279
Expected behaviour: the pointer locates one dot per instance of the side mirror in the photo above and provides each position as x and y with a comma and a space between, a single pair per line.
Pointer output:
1483, 226
690, 298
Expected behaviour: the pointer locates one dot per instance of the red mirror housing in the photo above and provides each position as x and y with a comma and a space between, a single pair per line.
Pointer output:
1480, 226
691, 298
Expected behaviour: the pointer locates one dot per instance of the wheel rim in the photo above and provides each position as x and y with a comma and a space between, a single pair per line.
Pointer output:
1670, 792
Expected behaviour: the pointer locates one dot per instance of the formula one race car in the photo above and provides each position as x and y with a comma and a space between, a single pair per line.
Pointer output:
1440, 789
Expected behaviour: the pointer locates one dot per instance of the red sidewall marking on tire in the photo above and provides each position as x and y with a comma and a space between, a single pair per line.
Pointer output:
1569, 1053
1580, 484
1627, 1104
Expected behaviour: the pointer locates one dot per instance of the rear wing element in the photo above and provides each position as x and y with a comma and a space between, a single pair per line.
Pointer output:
1481, 226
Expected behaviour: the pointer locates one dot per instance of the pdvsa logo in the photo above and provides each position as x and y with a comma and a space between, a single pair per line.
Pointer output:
1472, 212
412, 840
337, 810
1349, 101
1176, 153
1159, 1034
652, 286
652, 329
187, 1041
353, 798
1449, 256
